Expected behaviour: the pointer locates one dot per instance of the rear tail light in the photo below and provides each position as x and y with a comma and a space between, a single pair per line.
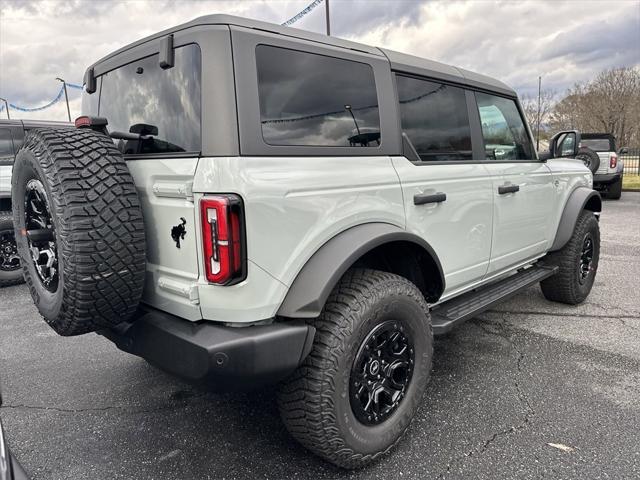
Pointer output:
613, 161
223, 239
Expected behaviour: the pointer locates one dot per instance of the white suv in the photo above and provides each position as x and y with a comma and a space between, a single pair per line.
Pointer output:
244, 203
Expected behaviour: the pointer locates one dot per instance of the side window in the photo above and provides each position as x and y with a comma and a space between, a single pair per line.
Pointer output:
434, 116
6, 147
504, 132
308, 99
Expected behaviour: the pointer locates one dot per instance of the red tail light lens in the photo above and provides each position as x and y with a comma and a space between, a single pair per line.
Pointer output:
223, 239
613, 161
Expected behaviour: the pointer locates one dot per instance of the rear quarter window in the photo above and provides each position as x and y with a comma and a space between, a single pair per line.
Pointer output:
308, 99
159, 109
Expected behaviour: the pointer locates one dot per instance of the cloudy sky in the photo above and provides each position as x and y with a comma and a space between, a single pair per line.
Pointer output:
515, 41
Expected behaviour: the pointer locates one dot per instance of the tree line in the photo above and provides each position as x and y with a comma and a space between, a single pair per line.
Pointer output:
610, 103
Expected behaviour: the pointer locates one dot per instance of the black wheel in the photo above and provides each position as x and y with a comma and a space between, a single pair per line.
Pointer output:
615, 190
359, 388
82, 245
589, 157
10, 270
577, 262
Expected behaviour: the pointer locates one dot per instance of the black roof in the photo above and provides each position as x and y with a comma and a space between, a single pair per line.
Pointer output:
399, 61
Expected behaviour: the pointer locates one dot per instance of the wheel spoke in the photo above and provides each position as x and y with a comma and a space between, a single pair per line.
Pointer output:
381, 373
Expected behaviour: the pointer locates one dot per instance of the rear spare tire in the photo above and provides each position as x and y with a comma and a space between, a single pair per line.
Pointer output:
10, 271
590, 158
80, 232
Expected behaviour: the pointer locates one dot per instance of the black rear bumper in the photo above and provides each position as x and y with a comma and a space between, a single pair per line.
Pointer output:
229, 358
606, 178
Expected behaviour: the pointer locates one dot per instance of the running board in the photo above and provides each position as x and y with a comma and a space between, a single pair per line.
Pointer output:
457, 310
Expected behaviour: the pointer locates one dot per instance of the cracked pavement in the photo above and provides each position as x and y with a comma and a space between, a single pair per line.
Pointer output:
505, 385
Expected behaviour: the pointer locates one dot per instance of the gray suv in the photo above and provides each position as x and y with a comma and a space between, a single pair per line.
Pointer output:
243, 203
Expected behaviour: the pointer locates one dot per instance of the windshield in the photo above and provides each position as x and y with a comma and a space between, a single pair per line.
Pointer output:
151, 110
597, 144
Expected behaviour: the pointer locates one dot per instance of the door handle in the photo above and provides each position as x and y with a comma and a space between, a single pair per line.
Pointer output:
422, 198
503, 189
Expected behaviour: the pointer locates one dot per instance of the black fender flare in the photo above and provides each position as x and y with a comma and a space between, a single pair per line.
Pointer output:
582, 198
315, 281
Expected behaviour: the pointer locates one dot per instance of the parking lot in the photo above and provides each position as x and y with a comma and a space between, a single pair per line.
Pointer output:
506, 385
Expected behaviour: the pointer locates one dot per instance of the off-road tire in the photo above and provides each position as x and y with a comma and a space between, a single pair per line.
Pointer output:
8, 277
564, 286
98, 226
589, 157
615, 190
315, 401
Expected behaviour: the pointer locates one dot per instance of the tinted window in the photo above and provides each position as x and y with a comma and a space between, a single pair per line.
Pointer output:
505, 135
597, 144
434, 116
6, 146
142, 99
309, 99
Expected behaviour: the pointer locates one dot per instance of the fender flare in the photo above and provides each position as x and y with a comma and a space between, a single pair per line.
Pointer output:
313, 284
580, 199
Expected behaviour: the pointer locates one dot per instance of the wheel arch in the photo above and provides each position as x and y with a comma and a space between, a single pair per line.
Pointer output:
375, 245
582, 198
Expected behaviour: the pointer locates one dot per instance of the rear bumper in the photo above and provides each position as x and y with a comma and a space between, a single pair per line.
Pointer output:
230, 358
606, 178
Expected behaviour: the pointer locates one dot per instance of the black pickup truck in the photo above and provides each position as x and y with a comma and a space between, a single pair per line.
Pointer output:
12, 134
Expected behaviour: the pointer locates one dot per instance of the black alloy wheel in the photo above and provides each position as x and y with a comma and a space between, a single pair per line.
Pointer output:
41, 236
381, 373
586, 259
9, 259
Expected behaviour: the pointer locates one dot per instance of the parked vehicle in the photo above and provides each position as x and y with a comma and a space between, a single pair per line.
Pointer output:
598, 151
10, 468
12, 134
244, 203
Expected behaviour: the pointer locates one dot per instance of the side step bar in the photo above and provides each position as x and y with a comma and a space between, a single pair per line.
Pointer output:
457, 310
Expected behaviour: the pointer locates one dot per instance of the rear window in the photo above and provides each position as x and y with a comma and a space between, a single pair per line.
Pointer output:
154, 110
598, 144
308, 99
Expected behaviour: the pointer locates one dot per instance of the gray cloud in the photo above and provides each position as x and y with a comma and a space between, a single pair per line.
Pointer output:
513, 41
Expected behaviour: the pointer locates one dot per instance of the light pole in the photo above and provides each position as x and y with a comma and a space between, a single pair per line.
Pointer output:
348, 108
6, 105
66, 97
538, 122
326, 9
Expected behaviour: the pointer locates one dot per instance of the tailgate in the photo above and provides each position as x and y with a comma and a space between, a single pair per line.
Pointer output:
164, 188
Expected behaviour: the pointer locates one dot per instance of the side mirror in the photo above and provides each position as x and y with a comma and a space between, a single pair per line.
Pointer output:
624, 151
144, 129
564, 144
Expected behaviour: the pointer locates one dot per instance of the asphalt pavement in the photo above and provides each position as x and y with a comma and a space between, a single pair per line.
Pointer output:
531, 389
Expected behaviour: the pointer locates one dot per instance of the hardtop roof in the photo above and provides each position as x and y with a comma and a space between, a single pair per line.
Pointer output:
399, 61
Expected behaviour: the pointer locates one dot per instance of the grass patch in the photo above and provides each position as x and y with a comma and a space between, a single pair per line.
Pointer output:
631, 182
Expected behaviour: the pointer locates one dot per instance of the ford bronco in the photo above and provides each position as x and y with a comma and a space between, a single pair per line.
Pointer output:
243, 203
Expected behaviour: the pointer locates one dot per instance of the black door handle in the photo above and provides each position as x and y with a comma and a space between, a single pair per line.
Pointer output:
502, 189
421, 198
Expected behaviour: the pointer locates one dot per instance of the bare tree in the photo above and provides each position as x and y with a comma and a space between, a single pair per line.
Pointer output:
530, 107
608, 104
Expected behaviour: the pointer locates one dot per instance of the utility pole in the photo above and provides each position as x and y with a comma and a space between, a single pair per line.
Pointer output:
66, 97
538, 128
348, 108
326, 8
6, 105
